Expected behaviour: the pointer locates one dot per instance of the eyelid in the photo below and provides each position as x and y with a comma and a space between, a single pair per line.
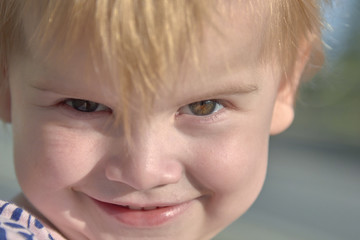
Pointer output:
99, 107
186, 109
69, 110
207, 119
217, 116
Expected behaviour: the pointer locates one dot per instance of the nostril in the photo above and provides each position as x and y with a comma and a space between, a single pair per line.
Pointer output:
141, 173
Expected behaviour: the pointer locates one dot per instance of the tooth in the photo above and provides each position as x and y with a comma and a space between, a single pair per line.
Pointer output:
149, 208
134, 208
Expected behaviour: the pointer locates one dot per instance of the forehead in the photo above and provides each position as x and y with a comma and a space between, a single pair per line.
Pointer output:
232, 41
236, 38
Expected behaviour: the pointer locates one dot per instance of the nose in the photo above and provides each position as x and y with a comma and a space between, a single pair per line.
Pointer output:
152, 160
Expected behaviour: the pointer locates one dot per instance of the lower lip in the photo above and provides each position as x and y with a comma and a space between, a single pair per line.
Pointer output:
143, 218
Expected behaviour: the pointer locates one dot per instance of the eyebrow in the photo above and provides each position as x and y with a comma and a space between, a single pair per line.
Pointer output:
226, 90
43, 87
237, 89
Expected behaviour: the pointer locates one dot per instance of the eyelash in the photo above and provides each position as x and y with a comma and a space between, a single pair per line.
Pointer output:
200, 105
209, 118
69, 105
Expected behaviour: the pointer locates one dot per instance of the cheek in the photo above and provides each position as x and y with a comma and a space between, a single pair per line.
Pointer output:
232, 168
51, 157
232, 164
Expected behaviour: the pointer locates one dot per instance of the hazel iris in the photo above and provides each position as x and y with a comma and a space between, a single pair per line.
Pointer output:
203, 108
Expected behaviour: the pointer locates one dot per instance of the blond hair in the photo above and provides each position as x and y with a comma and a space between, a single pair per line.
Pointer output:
142, 39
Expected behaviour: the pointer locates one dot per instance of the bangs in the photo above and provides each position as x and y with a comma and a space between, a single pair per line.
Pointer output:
140, 42
134, 41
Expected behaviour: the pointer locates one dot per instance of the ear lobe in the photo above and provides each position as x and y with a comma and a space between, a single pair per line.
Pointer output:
283, 114
5, 102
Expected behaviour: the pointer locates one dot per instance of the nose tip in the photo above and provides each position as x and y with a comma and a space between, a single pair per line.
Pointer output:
151, 159
143, 176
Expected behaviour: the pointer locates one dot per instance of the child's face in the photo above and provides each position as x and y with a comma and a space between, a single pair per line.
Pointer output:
202, 172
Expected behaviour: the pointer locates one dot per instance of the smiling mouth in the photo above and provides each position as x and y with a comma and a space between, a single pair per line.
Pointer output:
141, 208
143, 217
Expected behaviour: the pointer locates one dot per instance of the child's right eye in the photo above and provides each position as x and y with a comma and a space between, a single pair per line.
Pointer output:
85, 105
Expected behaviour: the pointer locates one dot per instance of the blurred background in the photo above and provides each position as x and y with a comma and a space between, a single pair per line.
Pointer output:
312, 191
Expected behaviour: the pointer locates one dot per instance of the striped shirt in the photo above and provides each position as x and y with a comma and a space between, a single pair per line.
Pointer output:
17, 224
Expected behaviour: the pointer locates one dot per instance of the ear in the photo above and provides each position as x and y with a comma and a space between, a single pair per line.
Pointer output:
5, 106
283, 113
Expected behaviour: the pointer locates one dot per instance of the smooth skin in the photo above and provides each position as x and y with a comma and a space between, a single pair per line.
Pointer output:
216, 160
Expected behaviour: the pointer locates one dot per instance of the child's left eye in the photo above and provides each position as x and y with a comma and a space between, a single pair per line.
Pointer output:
202, 108
85, 105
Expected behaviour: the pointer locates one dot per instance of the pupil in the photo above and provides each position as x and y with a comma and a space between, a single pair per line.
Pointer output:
203, 108
84, 106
